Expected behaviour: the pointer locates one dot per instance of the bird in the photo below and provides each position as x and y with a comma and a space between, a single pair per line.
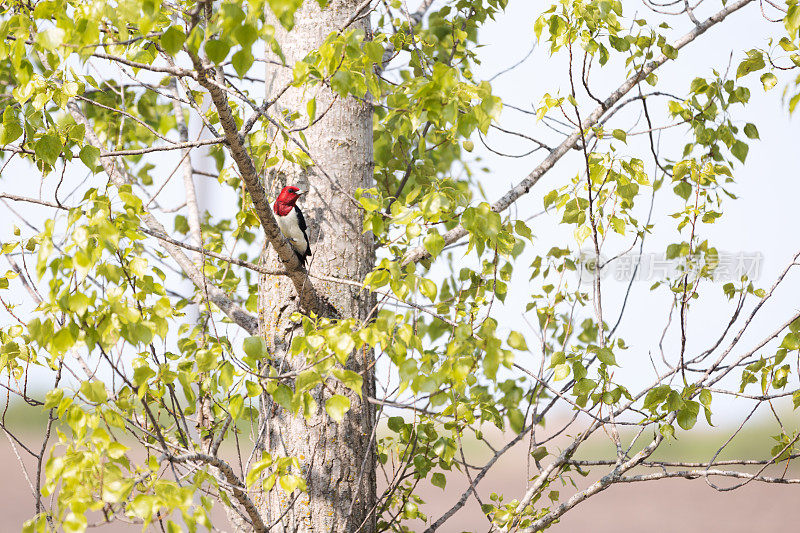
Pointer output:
291, 221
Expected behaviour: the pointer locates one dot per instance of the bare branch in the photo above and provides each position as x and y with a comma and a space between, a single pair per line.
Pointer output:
238, 315
419, 253
695, 474
237, 487
596, 487
168, 148
175, 71
186, 166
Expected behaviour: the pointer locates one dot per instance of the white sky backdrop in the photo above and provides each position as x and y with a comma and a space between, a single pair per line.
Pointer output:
764, 220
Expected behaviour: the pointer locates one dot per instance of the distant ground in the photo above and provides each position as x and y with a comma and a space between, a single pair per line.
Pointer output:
653, 507
663, 506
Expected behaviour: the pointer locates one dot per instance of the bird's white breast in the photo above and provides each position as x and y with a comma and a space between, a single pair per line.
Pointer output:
291, 230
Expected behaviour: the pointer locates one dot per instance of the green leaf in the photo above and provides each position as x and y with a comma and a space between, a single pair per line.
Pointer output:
172, 40
523, 230
516, 420
53, 398
787, 45
434, 243
561, 371
51, 38
396, 423
255, 347
141, 374
216, 50
181, 224
235, 406
768, 80
246, 35
687, 417
283, 396
517, 341
284, 11
242, 61
48, 148
311, 109
739, 150
12, 129
550, 198
539, 453
368, 202
94, 391
78, 303
793, 102
428, 288
352, 380
605, 355
753, 62
290, 482
63, 340
226, 375
206, 360
195, 39
584, 386
670, 51
336, 406
253, 390
751, 131
791, 342
705, 397
792, 19
707, 412
89, 155
257, 468
682, 169
306, 380
439, 480
620, 135
74, 523
683, 189
343, 345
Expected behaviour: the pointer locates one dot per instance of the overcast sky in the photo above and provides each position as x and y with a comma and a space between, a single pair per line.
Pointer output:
762, 223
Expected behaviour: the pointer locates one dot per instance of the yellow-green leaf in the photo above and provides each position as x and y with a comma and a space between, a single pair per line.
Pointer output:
336, 406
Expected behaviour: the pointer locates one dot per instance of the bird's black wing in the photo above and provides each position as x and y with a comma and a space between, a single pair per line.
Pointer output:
301, 221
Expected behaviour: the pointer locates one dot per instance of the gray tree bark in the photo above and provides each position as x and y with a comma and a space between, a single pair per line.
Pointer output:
338, 460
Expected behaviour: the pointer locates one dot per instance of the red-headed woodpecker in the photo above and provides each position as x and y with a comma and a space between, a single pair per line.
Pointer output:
291, 222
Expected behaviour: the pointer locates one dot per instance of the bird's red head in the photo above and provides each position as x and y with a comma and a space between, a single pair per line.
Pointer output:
289, 195
286, 200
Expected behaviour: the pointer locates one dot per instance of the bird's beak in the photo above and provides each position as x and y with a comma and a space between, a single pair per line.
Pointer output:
301, 193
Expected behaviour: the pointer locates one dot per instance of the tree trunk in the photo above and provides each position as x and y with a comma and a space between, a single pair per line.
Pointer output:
338, 460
